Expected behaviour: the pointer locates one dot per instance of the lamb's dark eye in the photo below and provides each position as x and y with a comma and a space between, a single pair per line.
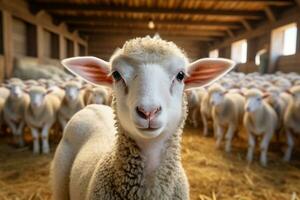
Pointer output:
117, 76
180, 76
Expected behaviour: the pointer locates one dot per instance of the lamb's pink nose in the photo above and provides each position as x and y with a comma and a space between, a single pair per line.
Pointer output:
148, 114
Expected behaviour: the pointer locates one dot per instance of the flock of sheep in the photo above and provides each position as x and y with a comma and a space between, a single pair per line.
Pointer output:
263, 105
42, 104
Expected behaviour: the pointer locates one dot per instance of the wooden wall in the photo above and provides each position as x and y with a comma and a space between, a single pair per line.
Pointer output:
103, 46
259, 38
23, 32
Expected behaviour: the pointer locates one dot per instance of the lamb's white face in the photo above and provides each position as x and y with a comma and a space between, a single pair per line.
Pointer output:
149, 96
72, 92
36, 98
253, 103
15, 90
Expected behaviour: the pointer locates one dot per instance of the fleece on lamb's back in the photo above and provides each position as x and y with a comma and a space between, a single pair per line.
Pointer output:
143, 160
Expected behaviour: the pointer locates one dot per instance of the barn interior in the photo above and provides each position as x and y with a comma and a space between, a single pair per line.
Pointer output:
261, 36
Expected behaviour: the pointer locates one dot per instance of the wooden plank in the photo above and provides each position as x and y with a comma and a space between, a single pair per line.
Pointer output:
270, 14
138, 34
63, 6
94, 19
289, 16
93, 29
246, 24
230, 33
268, 2
8, 43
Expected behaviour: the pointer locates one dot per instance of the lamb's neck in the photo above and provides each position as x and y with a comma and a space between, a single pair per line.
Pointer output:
151, 153
37, 111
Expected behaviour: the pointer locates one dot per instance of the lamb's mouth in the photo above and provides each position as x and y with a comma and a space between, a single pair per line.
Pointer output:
149, 129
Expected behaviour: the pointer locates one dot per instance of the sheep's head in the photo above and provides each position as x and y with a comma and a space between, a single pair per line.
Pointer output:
148, 77
99, 95
254, 100
72, 90
37, 95
16, 89
217, 93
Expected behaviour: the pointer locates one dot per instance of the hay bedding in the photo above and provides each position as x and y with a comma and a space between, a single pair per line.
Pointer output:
212, 173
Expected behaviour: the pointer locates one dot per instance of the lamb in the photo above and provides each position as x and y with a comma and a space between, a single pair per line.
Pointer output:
99, 95
71, 103
227, 113
193, 105
40, 115
14, 109
291, 121
260, 119
140, 158
205, 110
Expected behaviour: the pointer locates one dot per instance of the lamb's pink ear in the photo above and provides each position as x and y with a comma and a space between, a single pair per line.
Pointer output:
91, 69
205, 71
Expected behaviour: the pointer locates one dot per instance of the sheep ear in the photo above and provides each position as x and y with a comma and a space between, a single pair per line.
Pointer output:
204, 72
91, 69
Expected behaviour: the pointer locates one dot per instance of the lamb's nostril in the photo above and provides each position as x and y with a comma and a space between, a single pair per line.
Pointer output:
149, 115
141, 113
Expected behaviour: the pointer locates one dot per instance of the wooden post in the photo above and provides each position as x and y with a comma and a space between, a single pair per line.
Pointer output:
298, 35
76, 48
8, 44
40, 44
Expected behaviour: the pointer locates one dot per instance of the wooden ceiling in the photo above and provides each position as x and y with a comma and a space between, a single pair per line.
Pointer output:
202, 20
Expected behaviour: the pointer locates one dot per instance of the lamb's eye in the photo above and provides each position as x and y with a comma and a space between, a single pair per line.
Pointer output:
180, 76
117, 76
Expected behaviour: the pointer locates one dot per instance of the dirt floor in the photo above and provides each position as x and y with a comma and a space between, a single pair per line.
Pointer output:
212, 173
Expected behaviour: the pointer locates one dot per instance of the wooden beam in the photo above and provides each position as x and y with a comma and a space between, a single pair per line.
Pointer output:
289, 16
81, 19
230, 33
246, 25
268, 2
298, 2
64, 6
141, 34
270, 14
89, 28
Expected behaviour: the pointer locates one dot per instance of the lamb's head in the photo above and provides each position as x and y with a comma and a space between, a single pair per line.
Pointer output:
217, 93
148, 77
254, 100
99, 95
16, 89
72, 90
37, 95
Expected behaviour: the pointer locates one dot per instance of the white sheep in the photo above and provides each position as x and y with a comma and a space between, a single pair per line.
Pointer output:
205, 110
99, 95
14, 109
40, 115
227, 113
260, 119
71, 103
193, 105
141, 161
292, 121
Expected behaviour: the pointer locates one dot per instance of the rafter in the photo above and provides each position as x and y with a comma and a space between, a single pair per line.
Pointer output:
230, 33
138, 33
268, 2
270, 14
246, 24
105, 8
89, 28
105, 20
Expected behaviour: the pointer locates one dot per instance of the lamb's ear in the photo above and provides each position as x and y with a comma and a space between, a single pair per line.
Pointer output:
205, 71
91, 69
